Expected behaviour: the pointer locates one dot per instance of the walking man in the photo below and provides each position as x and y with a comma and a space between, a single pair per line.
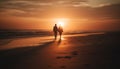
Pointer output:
55, 30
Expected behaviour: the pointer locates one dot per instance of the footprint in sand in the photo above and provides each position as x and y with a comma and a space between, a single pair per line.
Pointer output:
74, 53
64, 57
62, 66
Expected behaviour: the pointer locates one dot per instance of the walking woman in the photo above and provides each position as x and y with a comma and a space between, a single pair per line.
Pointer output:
60, 30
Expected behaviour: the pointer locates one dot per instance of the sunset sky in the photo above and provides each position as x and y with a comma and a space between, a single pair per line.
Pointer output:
78, 15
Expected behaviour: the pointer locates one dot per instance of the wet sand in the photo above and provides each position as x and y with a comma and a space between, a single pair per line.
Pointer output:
98, 51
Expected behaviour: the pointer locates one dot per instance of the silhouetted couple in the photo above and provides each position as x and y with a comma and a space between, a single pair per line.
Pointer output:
57, 29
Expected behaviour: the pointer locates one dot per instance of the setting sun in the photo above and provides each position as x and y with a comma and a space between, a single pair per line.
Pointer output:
60, 23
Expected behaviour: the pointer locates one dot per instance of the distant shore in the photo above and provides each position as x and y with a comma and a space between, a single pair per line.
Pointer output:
6, 34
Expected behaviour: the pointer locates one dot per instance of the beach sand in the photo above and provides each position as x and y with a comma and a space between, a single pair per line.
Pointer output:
98, 51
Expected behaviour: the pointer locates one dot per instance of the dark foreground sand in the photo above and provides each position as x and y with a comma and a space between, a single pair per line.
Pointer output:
78, 52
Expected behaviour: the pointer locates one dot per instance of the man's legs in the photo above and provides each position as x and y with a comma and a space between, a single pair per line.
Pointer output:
55, 34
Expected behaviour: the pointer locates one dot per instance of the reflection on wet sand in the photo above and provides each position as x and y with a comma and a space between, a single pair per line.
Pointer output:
33, 41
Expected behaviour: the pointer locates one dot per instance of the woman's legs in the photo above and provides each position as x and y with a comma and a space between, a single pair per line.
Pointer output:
60, 34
